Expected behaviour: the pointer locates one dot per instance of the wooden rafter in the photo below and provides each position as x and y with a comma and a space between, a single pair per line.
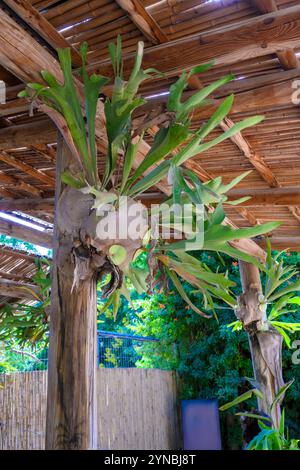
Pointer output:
6, 193
247, 215
18, 184
295, 211
25, 135
143, 20
29, 170
30, 235
281, 243
13, 107
286, 56
254, 157
9, 288
40, 25
27, 205
268, 197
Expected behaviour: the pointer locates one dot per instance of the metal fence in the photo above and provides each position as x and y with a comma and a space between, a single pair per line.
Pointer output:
120, 350
114, 350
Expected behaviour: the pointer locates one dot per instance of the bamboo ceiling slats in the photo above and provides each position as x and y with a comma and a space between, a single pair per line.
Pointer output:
203, 17
15, 265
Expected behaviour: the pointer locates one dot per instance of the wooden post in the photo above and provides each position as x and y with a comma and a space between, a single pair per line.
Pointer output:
265, 341
71, 401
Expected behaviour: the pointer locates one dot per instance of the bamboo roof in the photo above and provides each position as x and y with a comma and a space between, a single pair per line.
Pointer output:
257, 40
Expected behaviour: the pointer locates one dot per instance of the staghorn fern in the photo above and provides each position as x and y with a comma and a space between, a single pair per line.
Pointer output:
173, 145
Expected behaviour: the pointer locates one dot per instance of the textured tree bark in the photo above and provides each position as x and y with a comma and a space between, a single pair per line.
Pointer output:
265, 342
71, 403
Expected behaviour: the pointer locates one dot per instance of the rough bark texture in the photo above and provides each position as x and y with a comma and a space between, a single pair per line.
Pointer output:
265, 342
71, 405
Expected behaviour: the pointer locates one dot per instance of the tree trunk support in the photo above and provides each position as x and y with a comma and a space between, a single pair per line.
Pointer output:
71, 403
265, 341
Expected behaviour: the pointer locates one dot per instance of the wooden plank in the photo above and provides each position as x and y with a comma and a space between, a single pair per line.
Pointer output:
287, 56
254, 157
19, 185
281, 243
40, 25
256, 37
24, 135
251, 94
28, 204
9, 288
143, 20
18, 105
267, 197
26, 234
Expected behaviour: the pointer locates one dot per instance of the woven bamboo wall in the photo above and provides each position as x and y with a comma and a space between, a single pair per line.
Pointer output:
137, 409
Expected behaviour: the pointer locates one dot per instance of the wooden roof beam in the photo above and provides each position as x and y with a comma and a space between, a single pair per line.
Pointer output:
16, 106
283, 197
6, 193
26, 234
9, 288
281, 243
27, 169
42, 27
295, 211
247, 215
25, 135
286, 56
255, 159
143, 20
255, 37
19, 185
28, 204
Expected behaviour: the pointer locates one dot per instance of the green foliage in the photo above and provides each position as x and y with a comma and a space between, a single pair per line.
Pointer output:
27, 322
273, 439
65, 100
281, 283
14, 358
210, 359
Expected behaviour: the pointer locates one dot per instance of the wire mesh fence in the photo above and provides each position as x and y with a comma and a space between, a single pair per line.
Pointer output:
120, 350
113, 350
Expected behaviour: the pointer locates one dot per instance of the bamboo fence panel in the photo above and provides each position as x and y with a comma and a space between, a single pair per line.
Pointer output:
137, 409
